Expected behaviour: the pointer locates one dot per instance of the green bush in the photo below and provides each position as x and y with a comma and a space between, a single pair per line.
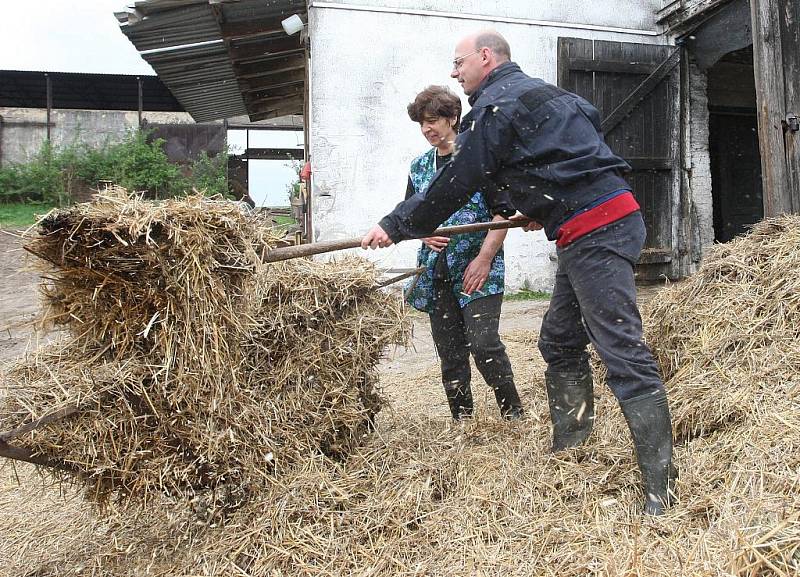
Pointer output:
209, 174
144, 166
134, 163
39, 180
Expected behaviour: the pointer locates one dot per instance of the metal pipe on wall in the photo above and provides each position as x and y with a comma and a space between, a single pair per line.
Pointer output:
49, 102
141, 98
308, 215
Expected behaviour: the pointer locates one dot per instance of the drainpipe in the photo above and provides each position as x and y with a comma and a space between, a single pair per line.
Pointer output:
141, 99
49, 102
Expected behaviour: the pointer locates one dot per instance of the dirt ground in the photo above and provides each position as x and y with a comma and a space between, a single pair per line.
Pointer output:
19, 297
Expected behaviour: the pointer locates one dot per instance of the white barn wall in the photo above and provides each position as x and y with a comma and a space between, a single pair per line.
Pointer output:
367, 66
639, 14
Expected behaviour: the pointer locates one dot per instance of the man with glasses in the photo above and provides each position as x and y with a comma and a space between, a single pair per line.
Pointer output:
543, 147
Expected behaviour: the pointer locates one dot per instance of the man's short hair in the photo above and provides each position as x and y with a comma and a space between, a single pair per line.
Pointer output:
435, 101
495, 42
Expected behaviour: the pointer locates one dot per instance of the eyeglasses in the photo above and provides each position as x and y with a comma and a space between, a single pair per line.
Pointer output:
460, 60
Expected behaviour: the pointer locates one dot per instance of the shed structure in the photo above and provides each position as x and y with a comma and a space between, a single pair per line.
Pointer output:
707, 120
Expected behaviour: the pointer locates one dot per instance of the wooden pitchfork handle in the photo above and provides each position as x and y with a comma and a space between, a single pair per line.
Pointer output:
289, 252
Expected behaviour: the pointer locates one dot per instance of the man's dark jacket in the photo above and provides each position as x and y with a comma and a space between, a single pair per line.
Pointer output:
537, 143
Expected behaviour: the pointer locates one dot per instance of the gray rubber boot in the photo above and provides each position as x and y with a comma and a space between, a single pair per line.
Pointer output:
459, 397
571, 399
651, 428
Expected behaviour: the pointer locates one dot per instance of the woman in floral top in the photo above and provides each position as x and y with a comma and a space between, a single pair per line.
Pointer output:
462, 286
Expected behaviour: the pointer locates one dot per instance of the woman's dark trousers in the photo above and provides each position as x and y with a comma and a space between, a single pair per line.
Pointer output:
474, 329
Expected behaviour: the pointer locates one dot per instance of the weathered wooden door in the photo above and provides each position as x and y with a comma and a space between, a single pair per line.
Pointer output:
635, 87
776, 62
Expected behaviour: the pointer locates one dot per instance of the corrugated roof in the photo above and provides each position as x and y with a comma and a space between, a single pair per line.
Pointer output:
223, 58
81, 91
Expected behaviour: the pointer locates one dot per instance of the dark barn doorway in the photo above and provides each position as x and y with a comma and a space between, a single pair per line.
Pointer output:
733, 145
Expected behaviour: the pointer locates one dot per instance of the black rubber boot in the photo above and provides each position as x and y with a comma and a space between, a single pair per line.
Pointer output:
459, 397
571, 399
651, 428
508, 401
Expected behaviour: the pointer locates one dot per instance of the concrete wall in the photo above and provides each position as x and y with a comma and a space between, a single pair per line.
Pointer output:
367, 66
698, 164
24, 130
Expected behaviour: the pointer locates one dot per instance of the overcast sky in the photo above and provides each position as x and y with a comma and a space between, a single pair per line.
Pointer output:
84, 36
66, 36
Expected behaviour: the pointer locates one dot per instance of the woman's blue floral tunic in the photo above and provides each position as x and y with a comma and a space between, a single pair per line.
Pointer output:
461, 250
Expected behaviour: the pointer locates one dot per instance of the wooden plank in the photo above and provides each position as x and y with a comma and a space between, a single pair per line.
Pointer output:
690, 15
609, 87
295, 106
242, 53
645, 88
587, 65
295, 77
272, 154
288, 106
562, 65
770, 99
271, 65
649, 163
577, 81
583, 81
655, 255
790, 45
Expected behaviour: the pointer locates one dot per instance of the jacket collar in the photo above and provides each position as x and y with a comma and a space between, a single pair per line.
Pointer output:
501, 71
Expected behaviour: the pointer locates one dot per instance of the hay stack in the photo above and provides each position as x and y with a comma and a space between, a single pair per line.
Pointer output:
728, 338
190, 369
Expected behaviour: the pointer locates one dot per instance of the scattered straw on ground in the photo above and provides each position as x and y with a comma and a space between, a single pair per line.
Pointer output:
424, 497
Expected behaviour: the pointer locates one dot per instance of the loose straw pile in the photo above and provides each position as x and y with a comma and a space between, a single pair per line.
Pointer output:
190, 369
424, 497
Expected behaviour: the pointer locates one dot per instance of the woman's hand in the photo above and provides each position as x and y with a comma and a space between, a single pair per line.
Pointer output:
436, 243
476, 274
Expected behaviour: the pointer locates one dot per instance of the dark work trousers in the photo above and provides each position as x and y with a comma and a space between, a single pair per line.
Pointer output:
594, 300
457, 332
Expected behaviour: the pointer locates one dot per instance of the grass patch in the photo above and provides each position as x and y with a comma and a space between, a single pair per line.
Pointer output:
21, 214
281, 220
527, 295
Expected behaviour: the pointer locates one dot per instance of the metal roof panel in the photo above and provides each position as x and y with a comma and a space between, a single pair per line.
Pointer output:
208, 52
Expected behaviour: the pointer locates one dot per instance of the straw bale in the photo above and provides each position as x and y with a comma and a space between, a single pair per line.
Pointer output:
199, 372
